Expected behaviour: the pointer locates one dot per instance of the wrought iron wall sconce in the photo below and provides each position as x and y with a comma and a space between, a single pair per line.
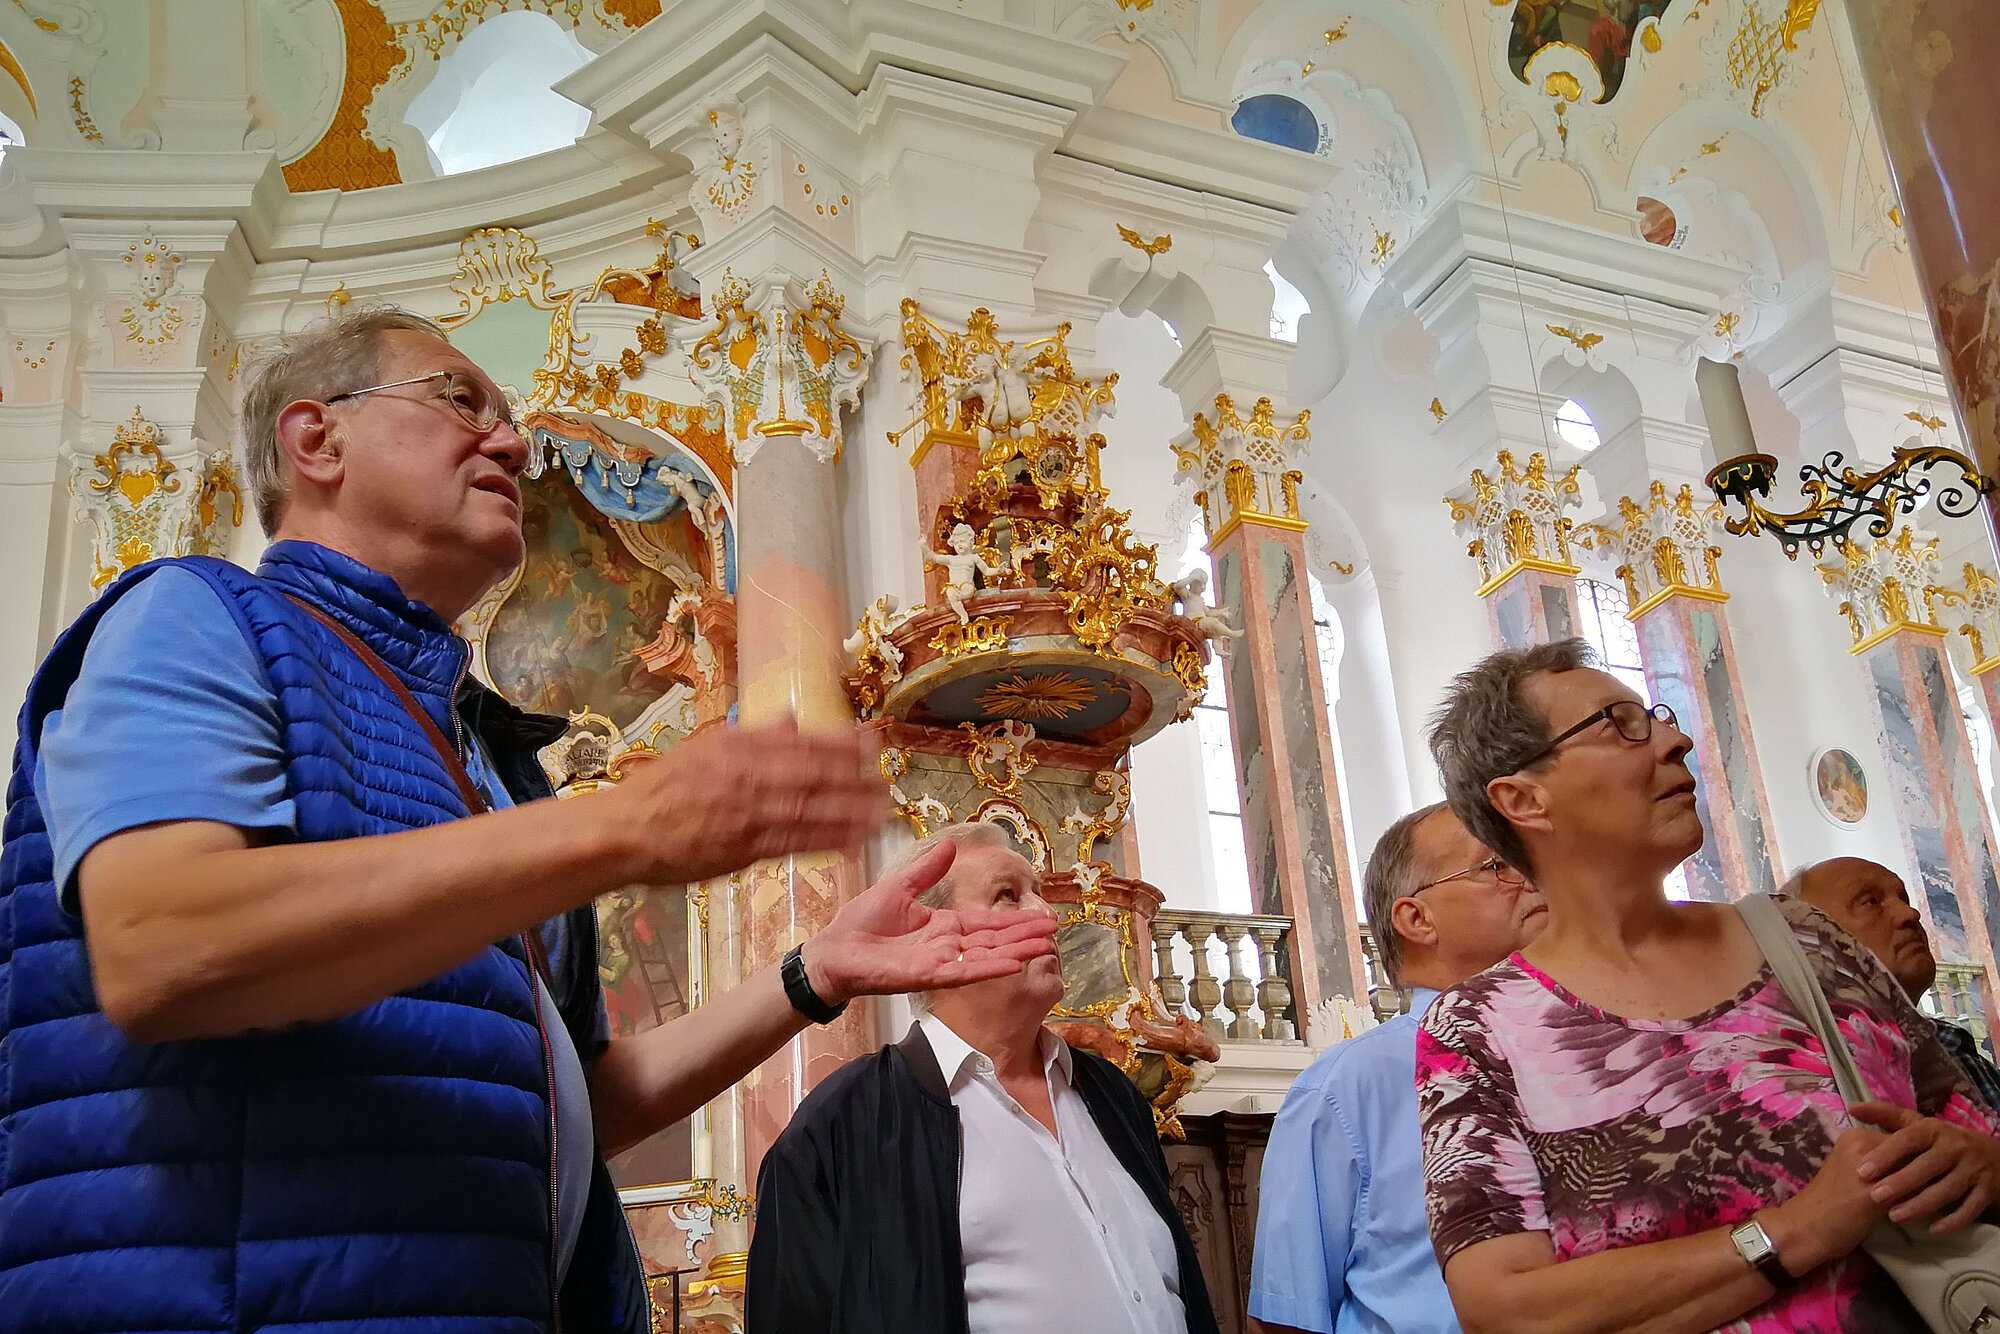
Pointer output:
1836, 497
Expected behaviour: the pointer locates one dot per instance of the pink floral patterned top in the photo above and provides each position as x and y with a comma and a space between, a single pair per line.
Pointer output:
1543, 1114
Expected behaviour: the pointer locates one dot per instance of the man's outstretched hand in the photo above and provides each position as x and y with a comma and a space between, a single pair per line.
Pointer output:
885, 943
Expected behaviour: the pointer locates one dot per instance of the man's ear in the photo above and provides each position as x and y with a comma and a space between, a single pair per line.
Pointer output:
1521, 801
307, 443
1412, 921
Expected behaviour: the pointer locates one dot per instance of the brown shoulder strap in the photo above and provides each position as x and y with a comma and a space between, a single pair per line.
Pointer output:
467, 789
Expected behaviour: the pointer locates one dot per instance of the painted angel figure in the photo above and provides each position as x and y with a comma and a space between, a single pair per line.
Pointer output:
1191, 594
872, 636
960, 565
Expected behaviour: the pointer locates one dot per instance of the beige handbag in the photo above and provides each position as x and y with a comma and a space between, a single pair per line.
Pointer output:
1953, 1281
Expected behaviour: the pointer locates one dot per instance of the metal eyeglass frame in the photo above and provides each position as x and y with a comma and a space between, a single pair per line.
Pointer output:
1500, 869
501, 410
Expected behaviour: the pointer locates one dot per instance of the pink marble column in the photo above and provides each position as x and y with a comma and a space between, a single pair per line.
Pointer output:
1929, 67
1532, 605
1690, 664
789, 661
1935, 785
1293, 831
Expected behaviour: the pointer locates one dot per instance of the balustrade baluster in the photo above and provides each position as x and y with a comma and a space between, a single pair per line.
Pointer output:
1274, 993
1239, 992
1172, 989
1204, 992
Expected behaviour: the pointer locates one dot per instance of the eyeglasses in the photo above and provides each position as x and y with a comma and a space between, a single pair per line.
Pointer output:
476, 405
1492, 866
1633, 720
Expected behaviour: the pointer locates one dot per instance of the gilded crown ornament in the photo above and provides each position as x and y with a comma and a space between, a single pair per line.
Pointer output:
1516, 518
1885, 586
1972, 609
1665, 547
782, 365
1243, 469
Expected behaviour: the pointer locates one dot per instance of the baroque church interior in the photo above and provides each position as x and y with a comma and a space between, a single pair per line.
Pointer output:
1136, 411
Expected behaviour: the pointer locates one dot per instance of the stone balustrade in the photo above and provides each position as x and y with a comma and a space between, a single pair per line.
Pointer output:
1955, 996
1206, 960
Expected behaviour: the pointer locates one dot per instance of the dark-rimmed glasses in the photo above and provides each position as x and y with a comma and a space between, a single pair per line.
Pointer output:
1492, 866
477, 406
1633, 720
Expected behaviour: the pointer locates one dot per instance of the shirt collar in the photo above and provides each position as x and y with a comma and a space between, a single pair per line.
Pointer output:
956, 1057
1420, 1000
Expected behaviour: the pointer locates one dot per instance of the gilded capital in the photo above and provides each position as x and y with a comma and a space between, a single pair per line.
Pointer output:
142, 506
1243, 469
1515, 519
780, 366
1885, 586
1666, 547
1972, 611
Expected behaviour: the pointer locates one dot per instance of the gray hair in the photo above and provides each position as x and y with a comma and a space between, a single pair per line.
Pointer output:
1486, 729
336, 356
1393, 873
964, 835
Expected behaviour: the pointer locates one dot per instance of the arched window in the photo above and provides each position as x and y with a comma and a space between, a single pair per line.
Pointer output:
1288, 305
1602, 608
10, 134
1574, 425
1229, 868
491, 99
1277, 119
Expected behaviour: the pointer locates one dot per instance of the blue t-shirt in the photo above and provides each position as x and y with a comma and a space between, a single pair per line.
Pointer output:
173, 717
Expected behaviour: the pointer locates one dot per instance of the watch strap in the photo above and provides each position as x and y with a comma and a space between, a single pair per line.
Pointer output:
799, 990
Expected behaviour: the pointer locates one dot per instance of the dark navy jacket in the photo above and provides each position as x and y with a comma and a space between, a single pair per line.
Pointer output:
389, 1171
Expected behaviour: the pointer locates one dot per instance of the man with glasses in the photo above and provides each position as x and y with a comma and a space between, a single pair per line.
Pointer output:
300, 1022
1341, 1240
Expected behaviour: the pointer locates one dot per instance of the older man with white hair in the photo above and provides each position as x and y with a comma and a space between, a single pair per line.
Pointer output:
299, 1013
981, 1174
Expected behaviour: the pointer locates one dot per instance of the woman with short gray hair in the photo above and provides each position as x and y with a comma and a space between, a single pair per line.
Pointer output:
1627, 1125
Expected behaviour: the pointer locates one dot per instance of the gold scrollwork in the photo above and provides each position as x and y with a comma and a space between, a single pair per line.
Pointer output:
998, 757
982, 634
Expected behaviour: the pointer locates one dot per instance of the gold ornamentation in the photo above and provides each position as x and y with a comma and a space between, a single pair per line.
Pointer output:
1159, 245
1895, 214
1753, 59
982, 634
153, 319
1563, 85
1726, 324
80, 116
1884, 587
924, 813
1105, 574
1194, 683
1382, 247
338, 298
451, 20
1838, 497
786, 369
1437, 408
1040, 696
1798, 17
1664, 547
1091, 827
1975, 613
1515, 518
497, 264
1583, 342
1240, 466
20, 76
1650, 38
46, 25
998, 755
1928, 421
345, 158
141, 505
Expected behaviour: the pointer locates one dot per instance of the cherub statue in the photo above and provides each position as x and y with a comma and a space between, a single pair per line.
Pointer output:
1004, 383
872, 637
1191, 594
960, 565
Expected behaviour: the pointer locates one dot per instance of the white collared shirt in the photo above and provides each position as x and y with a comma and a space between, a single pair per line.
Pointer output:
1032, 1205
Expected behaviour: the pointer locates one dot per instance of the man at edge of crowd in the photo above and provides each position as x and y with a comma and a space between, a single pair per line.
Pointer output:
1869, 902
980, 1175
300, 1020
1342, 1242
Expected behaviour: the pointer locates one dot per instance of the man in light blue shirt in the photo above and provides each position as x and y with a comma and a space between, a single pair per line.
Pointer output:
1342, 1244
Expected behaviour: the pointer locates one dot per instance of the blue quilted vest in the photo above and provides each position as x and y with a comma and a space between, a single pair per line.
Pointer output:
388, 1171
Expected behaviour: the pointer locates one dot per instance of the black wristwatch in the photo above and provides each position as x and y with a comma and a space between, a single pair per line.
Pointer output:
799, 990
